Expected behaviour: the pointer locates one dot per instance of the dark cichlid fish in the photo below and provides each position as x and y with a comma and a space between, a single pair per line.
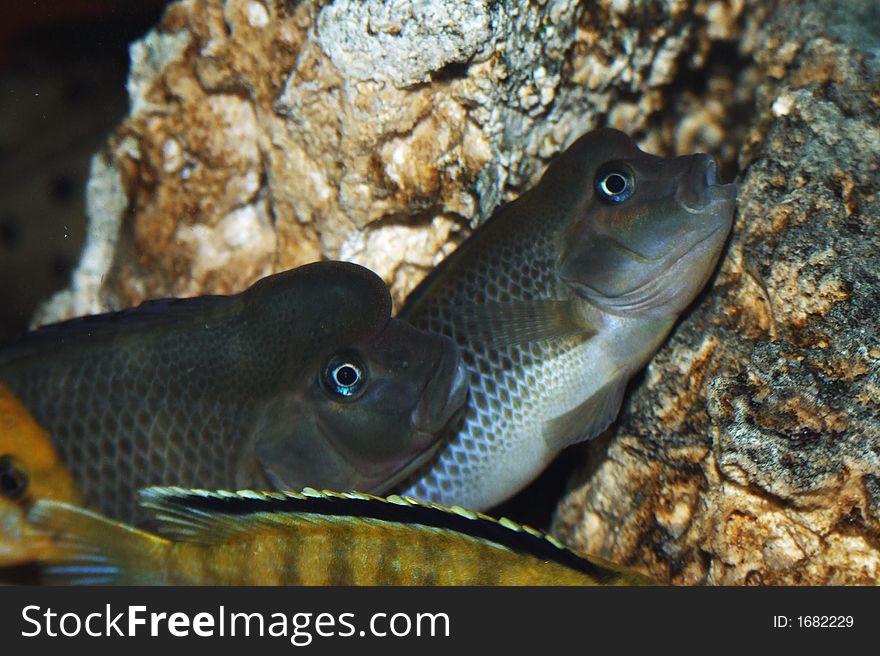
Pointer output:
559, 298
303, 379
312, 538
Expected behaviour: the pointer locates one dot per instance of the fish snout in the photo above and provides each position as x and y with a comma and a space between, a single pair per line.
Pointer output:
710, 173
699, 185
444, 396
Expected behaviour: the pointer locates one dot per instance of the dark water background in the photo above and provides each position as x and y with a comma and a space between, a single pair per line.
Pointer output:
63, 67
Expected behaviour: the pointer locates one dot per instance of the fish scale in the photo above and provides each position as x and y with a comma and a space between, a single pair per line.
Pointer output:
557, 299
509, 387
100, 458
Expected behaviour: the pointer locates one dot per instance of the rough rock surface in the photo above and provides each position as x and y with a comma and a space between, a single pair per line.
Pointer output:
750, 452
267, 134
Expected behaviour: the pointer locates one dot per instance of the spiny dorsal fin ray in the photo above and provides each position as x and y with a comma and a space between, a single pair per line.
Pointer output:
211, 517
97, 327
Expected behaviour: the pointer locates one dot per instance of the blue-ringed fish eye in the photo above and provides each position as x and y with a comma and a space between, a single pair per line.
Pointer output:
614, 182
13, 478
345, 376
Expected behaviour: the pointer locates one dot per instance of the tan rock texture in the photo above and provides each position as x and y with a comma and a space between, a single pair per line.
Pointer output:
267, 134
750, 451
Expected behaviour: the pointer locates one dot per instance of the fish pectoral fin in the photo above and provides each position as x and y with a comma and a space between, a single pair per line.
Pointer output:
89, 549
518, 322
588, 419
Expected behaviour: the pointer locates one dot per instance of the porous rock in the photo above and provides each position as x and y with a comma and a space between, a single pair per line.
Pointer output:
750, 451
264, 134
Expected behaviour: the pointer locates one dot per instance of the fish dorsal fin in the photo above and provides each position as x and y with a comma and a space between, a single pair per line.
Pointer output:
214, 517
520, 322
588, 419
97, 327
206, 517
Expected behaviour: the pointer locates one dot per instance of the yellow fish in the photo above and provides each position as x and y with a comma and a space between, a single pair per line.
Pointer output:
308, 538
30, 470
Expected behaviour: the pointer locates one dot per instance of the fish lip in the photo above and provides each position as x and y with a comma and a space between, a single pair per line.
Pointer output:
698, 190
723, 192
456, 396
713, 193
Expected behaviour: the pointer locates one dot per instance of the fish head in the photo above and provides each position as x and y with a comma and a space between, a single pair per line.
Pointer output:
386, 401
30, 470
371, 398
648, 231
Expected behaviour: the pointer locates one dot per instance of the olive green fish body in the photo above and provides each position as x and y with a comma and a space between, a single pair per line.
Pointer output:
227, 391
553, 311
312, 538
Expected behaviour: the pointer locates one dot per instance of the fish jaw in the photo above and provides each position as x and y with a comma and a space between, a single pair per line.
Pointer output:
429, 427
20, 544
443, 399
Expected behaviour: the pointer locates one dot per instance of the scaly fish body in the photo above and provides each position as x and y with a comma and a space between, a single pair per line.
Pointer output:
30, 470
249, 538
558, 299
303, 379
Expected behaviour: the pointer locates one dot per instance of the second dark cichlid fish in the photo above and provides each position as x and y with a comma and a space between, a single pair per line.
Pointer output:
302, 379
308, 538
559, 298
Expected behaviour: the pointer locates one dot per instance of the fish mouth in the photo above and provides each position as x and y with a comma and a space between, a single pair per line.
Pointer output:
14, 547
429, 417
429, 436
430, 424
699, 189
661, 291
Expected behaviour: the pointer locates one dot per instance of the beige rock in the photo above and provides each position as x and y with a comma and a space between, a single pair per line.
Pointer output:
379, 132
750, 452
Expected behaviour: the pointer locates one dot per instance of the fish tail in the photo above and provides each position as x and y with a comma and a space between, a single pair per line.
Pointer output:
89, 549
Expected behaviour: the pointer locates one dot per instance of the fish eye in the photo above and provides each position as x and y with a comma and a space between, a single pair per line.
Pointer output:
344, 376
614, 182
13, 479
